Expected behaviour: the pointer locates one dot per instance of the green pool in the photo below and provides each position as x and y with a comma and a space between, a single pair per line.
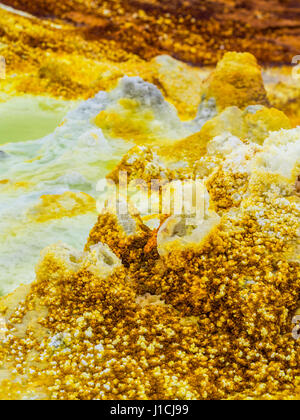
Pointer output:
30, 117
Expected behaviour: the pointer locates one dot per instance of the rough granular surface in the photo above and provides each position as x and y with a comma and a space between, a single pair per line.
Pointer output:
193, 31
98, 303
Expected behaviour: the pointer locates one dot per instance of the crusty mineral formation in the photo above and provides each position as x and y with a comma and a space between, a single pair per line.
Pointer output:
237, 81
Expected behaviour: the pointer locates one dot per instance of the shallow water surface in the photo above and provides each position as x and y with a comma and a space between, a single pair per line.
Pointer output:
29, 117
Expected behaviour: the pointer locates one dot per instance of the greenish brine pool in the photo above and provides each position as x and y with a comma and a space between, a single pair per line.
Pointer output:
29, 117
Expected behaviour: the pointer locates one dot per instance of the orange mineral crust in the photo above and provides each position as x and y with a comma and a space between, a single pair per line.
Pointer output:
51, 56
195, 31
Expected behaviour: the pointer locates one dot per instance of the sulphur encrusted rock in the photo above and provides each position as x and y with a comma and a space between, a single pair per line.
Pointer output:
237, 81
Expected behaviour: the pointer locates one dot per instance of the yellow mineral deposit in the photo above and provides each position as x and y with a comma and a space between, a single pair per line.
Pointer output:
102, 304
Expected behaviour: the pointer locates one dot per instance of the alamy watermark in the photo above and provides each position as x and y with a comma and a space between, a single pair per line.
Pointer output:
296, 69
2, 68
296, 330
186, 198
3, 329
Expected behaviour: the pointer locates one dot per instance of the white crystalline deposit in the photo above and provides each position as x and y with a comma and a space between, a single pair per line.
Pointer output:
166, 121
281, 154
236, 156
99, 260
267, 193
271, 197
181, 231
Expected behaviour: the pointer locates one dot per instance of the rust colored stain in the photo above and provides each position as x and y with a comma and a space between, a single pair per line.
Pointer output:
152, 242
195, 31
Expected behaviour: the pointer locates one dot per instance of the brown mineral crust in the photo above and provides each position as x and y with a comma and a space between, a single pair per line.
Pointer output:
298, 185
195, 31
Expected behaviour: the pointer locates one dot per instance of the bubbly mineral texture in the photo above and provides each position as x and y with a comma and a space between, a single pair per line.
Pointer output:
166, 305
